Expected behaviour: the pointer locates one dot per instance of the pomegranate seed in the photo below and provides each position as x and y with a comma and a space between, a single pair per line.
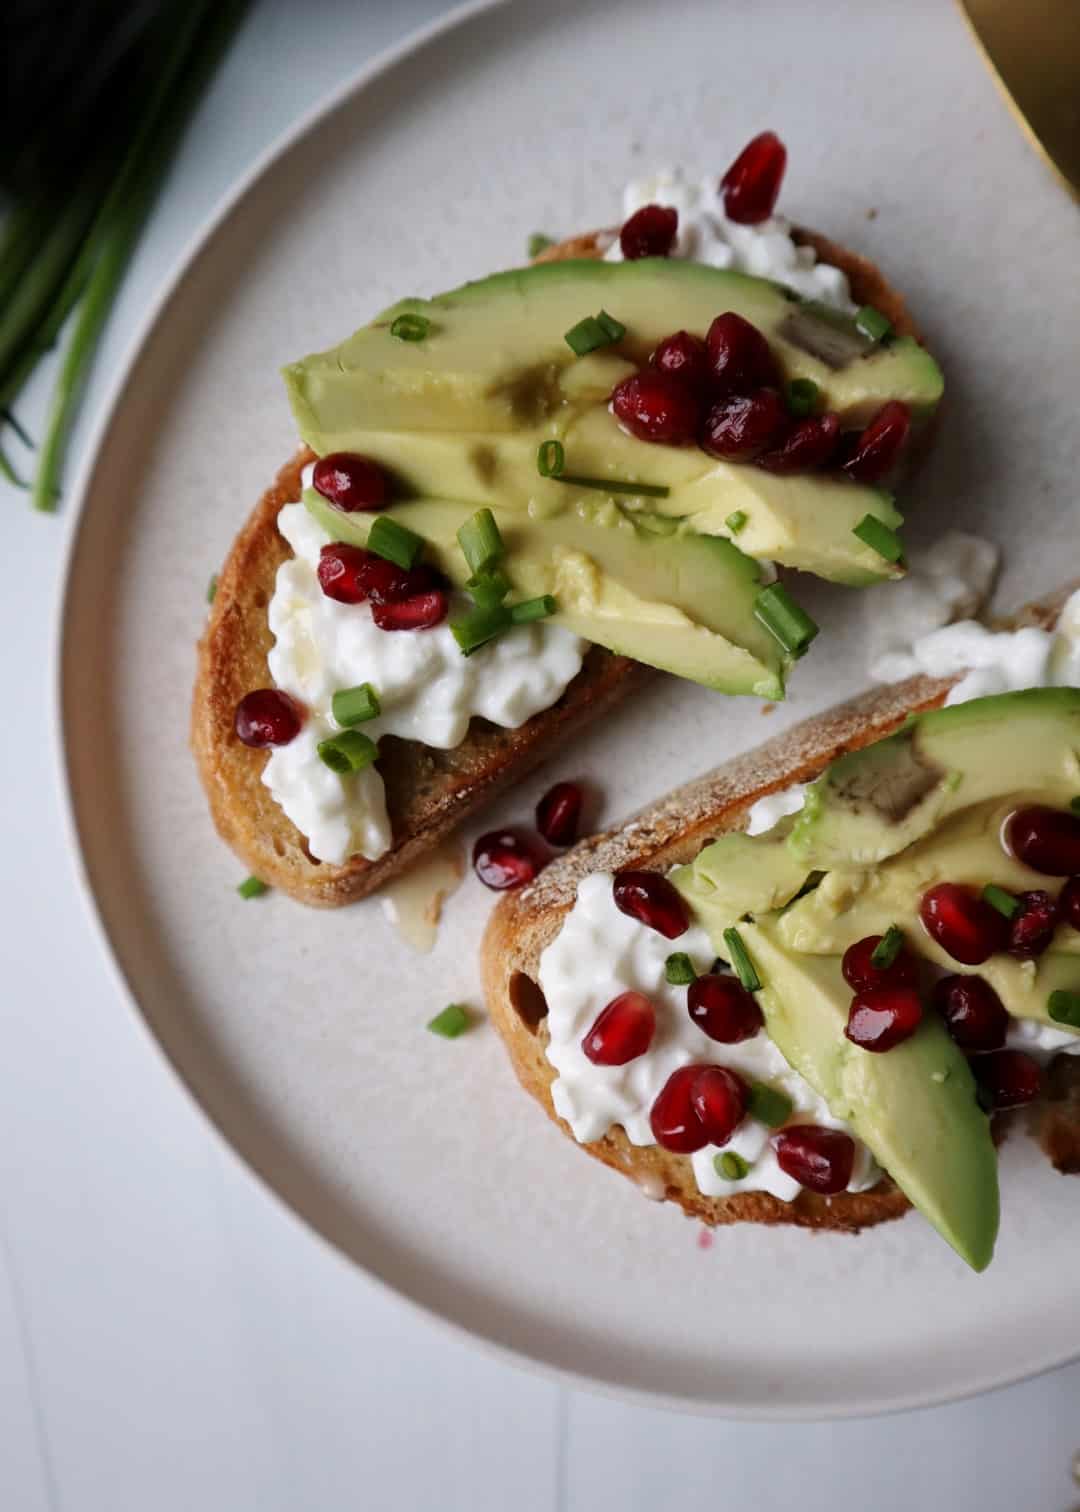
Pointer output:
743, 425
673, 1119
267, 717
974, 1014
650, 232
656, 407
1008, 1077
807, 445
343, 572
422, 612
962, 923
503, 859
821, 1159
684, 357
861, 973
622, 1031
718, 1097
1069, 902
723, 1009
880, 444
1032, 929
740, 358
752, 183
882, 1017
652, 900
350, 482
1046, 839
559, 812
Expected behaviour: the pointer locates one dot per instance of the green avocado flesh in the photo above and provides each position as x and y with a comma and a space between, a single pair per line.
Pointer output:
879, 828
457, 417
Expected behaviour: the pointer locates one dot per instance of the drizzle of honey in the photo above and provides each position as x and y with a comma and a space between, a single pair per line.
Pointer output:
414, 901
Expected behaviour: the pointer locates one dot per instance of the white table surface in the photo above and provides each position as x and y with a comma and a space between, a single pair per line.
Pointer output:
170, 1336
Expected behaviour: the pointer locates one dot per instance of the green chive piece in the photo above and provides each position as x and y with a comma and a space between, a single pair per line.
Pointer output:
741, 963
479, 626
533, 609
352, 706
410, 327
802, 397
593, 332
1074, 804
879, 537
887, 948
348, 752
730, 1166
480, 540
550, 459
211, 588
872, 323
451, 1022
1003, 901
1064, 1008
397, 543
736, 520
785, 619
679, 969
253, 887
489, 587
615, 328
768, 1106
539, 242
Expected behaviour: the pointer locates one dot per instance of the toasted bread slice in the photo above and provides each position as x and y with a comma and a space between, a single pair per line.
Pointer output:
429, 792
672, 832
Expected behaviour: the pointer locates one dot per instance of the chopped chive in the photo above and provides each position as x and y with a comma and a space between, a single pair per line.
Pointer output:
410, 327
253, 887
551, 459
211, 588
533, 609
1003, 901
741, 963
879, 537
731, 1166
768, 1106
1064, 1008
397, 543
785, 619
352, 706
679, 969
736, 520
887, 948
1074, 804
479, 626
539, 242
593, 332
348, 752
615, 328
872, 323
451, 1022
480, 540
802, 397
489, 587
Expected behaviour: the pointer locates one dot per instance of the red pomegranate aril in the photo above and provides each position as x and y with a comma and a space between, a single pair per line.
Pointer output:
422, 612
652, 900
741, 426
351, 483
808, 445
343, 572
649, 232
267, 717
879, 446
740, 358
684, 357
818, 1158
1069, 903
882, 1017
973, 1013
504, 859
752, 183
1046, 839
722, 1008
672, 1118
622, 1031
656, 407
1032, 929
718, 1097
1009, 1078
559, 812
861, 973
965, 926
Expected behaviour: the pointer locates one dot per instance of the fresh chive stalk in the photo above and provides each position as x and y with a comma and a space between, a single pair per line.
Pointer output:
530, 610
679, 969
879, 537
539, 242
211, 588
730, 1166
1003, 901
253, 887
785, 619
872, 323
451, 1022
353, 706
802, 397
768, 1106
593, 332
410, 327
479, 626
887, 948
489, 587
551, 461
348, 752
396, 542
1064, 1008
480, 541
741, 963
736, 520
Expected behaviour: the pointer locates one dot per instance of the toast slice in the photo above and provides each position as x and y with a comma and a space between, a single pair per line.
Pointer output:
429, 792
671, 832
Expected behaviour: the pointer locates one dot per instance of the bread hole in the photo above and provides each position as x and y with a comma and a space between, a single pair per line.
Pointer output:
527, 1001
259, 599
279, 849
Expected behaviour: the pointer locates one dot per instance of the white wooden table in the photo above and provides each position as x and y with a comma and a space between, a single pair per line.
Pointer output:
170, 1337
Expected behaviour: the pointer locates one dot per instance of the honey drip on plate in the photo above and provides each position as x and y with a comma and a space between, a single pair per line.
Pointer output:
414, 902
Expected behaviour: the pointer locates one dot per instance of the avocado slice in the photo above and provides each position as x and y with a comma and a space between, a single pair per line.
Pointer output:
741, 874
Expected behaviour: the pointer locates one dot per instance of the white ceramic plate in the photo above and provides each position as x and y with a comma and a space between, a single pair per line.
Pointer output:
301, 1033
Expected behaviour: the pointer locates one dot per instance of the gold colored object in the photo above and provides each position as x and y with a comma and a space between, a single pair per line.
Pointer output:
1033, 49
